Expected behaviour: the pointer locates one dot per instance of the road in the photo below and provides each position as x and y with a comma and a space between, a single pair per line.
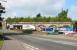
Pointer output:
43, 44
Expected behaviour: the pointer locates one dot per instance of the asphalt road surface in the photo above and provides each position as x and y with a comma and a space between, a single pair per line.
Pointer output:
43, 44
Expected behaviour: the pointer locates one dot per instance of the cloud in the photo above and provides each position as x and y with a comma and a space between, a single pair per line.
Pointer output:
32, 7
73, 12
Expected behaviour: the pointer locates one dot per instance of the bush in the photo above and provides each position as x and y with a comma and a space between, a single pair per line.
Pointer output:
29, 31
1, 33
61, 32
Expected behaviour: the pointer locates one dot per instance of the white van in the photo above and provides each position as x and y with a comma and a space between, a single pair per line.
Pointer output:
28, 27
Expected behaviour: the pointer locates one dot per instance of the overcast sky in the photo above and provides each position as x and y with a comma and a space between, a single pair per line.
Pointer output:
45, 7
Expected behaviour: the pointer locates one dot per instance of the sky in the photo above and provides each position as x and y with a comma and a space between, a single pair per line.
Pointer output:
27, 8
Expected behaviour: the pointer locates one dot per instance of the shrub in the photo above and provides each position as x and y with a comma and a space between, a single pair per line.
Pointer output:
28, 31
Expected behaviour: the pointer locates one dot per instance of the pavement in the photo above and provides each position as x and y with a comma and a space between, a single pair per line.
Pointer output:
12, 45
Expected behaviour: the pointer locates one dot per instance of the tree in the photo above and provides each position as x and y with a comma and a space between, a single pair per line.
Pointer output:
38, 15
38, 18
10, 20
75, 25
62, 17
2, 9
63, 14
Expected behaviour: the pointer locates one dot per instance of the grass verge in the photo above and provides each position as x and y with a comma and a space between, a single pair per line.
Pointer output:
1, 43
1, 40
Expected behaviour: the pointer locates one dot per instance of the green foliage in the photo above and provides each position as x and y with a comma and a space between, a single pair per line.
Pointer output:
2, 9
1, 39
63, 14
28, 31
38, 15
1, 43
75, 25
61, 17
